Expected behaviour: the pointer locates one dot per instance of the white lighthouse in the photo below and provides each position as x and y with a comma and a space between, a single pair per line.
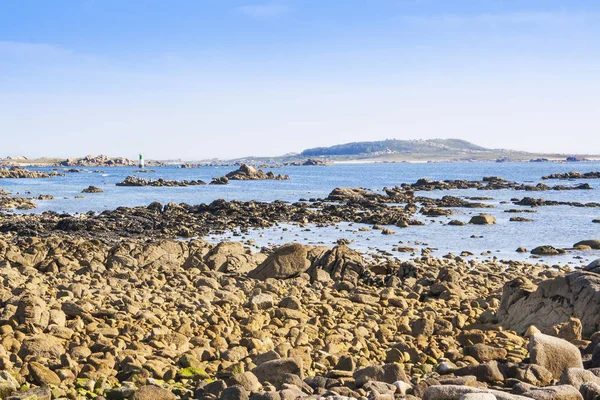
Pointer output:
141, 164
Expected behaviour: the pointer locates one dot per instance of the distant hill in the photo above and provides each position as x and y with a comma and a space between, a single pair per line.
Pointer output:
391, 146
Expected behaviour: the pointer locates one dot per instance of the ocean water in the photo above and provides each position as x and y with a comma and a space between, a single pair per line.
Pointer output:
559, 226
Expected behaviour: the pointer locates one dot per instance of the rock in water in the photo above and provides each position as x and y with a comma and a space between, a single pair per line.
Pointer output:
286, 262
483, 219
554, 354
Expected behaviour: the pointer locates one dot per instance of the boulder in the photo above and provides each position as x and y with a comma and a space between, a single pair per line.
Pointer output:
287, 261
594, 244
561, 392
151, 392
576, 377
483, 219
341, 263
553, 302
555, 354
275, 371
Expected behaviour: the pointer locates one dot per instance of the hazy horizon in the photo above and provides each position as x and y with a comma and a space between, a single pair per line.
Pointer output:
226, 79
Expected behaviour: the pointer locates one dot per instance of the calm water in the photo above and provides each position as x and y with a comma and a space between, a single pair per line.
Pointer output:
560, 226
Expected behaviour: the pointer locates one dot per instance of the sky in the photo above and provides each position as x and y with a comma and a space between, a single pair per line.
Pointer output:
197, 79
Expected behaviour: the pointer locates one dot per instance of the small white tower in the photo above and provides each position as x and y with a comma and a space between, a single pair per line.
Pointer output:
141, 164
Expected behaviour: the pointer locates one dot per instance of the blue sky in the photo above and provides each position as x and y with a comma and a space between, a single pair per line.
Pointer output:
219, 78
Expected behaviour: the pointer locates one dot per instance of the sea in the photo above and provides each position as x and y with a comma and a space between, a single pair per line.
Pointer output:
558, 226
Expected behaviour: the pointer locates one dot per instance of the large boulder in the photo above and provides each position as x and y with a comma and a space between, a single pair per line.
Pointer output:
341, 263
554, 354
553, 302
594, 244
287, 261
275, 371
483, 219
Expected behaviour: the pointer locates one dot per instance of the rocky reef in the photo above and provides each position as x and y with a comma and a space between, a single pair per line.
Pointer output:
249, 173
136, 181
21, 173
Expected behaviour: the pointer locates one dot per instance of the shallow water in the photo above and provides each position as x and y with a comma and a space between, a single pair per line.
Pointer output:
560, 226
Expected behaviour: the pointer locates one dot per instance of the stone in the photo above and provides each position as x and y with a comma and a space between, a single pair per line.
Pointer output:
553, 302
247, 380
576, 377
561, 392
42, 375
235, 393
286, 262
483, 353
274, 371
151, 392
483, 219
554, 354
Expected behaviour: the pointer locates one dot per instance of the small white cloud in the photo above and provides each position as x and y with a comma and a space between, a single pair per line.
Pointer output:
264, 11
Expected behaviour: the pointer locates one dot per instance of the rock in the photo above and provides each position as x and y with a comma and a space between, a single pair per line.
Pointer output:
235, 393
590, 391
286, 262
42, 375
274, 371
38, 393
247, 380
341, 263
8, 384
554, 354
576, 377
483, 219
249, 173
92, 189
594, 244
553, 302
478, 396
562, 392
484, 353
151, 392
135, 181
547, 251
388, 373
42, 346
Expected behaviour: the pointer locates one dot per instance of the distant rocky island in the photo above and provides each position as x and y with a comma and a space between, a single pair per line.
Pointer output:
391, 150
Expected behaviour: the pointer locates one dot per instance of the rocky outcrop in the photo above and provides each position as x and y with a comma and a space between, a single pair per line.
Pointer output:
574, 175
286, 262
552, 302
92, 189
249, 173
483, 219
20, 173
135, 181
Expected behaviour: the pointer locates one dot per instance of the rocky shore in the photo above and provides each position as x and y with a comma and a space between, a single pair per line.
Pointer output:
117, 306
148, 319
21, 173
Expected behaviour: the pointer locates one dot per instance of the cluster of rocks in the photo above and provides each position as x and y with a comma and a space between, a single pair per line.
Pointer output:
531, 202
9, 202
92, 189
103, 161
574, 175
170, 319
137, 181
18, 172
249, 173
487, 183
309, 162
